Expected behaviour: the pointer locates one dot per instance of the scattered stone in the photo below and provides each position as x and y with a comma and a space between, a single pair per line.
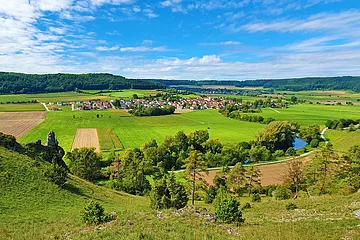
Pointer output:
357, 214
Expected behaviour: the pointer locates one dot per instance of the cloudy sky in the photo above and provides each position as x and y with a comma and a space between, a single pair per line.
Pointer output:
182, 39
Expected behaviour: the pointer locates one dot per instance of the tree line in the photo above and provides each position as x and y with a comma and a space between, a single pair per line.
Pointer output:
142, 110
40, 83
293, 84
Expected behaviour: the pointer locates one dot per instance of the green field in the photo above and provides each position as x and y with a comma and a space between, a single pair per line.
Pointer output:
108, 139
26, 107
343, 140
123, 93
134, 131
309, 114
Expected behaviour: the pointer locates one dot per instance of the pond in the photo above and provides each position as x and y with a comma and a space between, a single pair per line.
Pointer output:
299, 143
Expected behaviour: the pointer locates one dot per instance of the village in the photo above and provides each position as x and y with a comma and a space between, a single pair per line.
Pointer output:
186, 103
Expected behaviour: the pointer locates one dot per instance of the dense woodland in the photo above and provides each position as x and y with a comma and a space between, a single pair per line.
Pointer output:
294, 84
34, 83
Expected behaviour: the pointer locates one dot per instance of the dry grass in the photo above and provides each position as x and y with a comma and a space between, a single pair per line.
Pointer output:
22, 115
86, 137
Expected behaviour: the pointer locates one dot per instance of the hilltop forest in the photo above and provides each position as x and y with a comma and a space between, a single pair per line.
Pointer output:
293, 84
36, 83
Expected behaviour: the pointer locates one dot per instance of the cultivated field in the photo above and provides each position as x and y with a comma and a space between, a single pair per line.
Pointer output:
26, 107
86, 137
108, 139
19, 123
124, 93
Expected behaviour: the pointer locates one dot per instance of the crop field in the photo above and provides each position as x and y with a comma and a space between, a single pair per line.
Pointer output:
86, 137
309, 114
21, 107
343, 140
134, 131
18, 124
108, 139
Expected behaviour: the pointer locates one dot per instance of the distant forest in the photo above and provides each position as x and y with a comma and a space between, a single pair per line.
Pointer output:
36, 83
41, 83
293, 84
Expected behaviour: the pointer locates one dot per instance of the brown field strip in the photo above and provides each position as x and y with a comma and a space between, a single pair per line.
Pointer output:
86, 137
18, 124
271, 174
22, 115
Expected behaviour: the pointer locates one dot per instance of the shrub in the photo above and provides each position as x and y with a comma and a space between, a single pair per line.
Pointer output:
56, 174
228, 211
291, 206
94, 214
246, 206
314, 143
256, 198
279, 153
291, 151
281, 193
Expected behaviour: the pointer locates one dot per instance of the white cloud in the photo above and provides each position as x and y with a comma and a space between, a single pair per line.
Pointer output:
226, 43
101, 48
144, 49
322, 21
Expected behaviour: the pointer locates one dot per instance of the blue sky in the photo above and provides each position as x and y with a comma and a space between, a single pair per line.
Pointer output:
182, 39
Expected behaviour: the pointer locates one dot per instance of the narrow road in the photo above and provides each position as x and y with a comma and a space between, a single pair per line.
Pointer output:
44, 104
275, 110
323, 135
112, 105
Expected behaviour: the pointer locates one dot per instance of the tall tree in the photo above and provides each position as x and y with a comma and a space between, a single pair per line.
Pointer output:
237, 177
294, 175
253, 175
85, 163
194, 163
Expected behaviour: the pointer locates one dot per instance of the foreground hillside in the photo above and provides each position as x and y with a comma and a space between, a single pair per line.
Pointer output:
33, 208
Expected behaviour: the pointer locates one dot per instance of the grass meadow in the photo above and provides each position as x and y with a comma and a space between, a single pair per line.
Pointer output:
343, 139
33, 208
309, 114
26, 107
134, 131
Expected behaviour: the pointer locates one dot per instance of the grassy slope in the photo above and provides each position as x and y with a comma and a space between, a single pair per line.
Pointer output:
32, 208
343, 140
134, 131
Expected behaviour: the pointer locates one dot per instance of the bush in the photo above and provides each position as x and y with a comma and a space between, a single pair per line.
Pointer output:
279, 153
228, 211
56, 174
246, 206
256, 198
314, 143
291, 206
281, 193
94, 214
85, 163
291, 151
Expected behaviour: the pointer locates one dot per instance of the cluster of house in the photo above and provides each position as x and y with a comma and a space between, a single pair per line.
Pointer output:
85, 105
193, 103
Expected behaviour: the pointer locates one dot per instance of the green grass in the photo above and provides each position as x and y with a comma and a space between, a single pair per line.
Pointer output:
125, 93
108, 139
134, 131
28, 107
343, 140
309, 114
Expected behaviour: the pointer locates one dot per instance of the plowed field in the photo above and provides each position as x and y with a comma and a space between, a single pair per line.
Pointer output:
86, 137
19, 123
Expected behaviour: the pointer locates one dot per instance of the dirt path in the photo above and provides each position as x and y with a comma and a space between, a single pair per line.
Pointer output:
44, 104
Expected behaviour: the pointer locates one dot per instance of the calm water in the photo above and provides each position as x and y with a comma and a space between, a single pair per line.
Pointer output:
299, 143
